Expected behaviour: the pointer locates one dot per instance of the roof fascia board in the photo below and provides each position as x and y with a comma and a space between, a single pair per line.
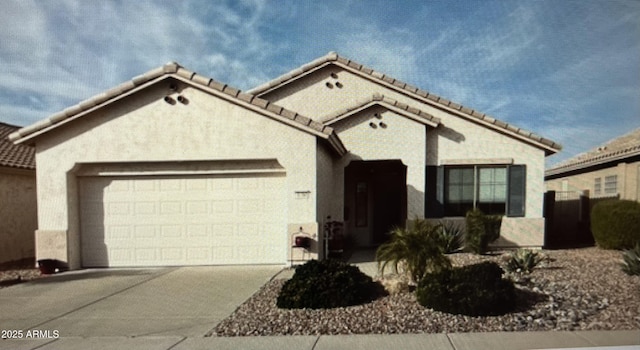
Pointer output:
379, 78
7, 169
227, 97
388, 106
55, 124
589, 164
434, 104
252, 107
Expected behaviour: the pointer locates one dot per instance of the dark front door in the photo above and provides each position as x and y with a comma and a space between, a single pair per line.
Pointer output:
388, 203
376, 199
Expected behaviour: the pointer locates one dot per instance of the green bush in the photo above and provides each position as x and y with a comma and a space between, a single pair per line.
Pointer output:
615, 224
416, 247
450, 236
481, 230
631, 258
327, 284
474, 290
523, 260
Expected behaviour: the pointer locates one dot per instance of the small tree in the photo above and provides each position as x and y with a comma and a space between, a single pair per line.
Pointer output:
416, 247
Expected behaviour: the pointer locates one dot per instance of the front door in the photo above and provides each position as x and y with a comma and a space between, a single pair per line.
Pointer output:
375, 200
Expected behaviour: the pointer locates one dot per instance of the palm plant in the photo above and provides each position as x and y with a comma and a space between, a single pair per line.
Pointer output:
417, 248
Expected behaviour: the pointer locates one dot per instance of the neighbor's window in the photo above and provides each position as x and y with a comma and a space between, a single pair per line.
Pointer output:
611, 184
597, 186
475, 187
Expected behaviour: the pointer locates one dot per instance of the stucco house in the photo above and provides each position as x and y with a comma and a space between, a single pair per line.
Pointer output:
175, 168
609, 170
18, 218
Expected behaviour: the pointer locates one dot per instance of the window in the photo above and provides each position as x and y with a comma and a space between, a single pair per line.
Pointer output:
459, 191
611, 184
454, 190
597, 186
475, 187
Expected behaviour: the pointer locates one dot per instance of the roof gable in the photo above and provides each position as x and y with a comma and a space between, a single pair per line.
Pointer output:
333, 58
615, 150
388, 103
12, 155
174, 70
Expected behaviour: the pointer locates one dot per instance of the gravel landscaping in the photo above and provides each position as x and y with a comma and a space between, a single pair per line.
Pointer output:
17, 272
578, 289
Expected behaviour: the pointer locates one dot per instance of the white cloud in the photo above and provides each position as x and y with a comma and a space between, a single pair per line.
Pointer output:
65, 51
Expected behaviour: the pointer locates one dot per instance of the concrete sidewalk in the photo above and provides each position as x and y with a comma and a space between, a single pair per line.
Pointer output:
619, 340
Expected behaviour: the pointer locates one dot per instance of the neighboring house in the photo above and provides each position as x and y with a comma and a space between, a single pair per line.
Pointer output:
174, 168
612, 169
18, 217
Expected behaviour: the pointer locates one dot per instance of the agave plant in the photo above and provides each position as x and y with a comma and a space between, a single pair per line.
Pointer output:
523, 261
450, 236
631, 258
416, 248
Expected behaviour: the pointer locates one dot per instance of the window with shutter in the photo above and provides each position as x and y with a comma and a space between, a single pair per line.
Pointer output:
454, 190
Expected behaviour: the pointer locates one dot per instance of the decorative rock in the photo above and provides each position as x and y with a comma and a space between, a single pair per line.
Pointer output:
565, 296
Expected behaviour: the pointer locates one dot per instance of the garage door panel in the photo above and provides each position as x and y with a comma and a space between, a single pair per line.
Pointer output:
182, 221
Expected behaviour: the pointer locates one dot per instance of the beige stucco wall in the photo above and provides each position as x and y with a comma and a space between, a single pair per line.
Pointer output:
628, 185
456, 139
402, 138
145, 128
18, 215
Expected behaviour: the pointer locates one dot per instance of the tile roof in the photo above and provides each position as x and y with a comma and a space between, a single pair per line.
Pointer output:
15, 156
425, 96
175, 70
617, 149
413, 113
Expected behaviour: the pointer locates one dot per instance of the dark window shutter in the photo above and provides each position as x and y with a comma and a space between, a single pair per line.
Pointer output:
516, 192
434, 196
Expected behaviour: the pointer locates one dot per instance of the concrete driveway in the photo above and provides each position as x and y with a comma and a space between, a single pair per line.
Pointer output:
178, 301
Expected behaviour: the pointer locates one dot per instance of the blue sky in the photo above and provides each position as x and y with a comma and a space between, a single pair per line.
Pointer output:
567, 70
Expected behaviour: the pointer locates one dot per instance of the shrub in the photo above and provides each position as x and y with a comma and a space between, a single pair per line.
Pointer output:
327, 284
474, 290
450, 236
417, 248
631, 258
481, 230
523, 260
615, 223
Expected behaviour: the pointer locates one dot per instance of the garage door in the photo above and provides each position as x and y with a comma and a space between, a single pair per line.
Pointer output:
165, 221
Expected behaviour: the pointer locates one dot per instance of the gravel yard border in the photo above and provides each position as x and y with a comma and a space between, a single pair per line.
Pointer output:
15, 272
576, 289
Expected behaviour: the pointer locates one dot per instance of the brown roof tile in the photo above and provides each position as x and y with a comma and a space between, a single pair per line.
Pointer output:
12, 155
387, 102
619, 148
177, 71
549, 145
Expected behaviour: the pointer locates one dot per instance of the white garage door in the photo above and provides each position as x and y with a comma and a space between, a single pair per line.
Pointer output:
165, 221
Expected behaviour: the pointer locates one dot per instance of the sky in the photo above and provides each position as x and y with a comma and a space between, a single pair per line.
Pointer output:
566, 70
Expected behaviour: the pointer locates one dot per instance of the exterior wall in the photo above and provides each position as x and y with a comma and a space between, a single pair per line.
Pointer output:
456, 139
144, 128
17, 214
402, 139
628, 185
326, 205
